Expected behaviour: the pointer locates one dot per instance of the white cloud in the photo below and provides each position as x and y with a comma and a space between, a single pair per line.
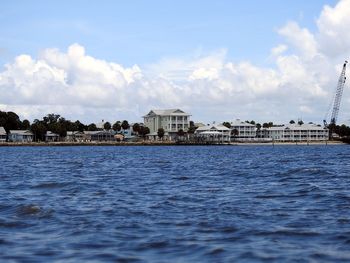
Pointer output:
76, 85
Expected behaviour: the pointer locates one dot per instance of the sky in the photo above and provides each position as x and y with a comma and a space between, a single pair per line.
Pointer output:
218, 60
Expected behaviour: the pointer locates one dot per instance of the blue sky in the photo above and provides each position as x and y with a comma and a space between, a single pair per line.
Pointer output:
268, 60
141, 32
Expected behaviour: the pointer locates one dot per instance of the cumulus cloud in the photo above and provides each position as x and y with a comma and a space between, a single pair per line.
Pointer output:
299, 84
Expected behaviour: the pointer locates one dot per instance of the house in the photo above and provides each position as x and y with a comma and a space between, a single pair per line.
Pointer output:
100, 136
52, 137
213, 133
3, 134
296, 132
242, 131
171, 120
20, 136
74, 136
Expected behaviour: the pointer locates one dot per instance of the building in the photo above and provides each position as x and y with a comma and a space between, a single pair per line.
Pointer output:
20, 136
213, 133
3, 134
243, 131
171, 120
52, 137
100, 136
75, 136
296, 133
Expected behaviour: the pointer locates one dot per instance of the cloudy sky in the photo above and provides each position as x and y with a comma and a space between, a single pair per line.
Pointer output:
219, 60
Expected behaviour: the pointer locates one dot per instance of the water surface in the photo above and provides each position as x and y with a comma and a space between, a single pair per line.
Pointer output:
175, 204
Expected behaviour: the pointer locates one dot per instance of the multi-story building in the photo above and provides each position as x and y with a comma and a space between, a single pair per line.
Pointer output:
171, 121
243, 130
295, 132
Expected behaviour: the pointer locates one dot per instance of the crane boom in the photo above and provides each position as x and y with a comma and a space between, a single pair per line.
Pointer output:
338, 95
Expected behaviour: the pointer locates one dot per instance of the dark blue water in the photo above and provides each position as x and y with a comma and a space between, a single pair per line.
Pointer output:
175, 204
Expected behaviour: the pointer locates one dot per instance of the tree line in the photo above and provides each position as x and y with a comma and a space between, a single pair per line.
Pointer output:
59, 125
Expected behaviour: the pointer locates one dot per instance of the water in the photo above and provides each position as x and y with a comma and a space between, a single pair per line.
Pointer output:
175, 204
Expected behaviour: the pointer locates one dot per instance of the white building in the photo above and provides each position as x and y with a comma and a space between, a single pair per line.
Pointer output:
3, 134
213, 133
296, 133
244, 131
171, 120
20, 136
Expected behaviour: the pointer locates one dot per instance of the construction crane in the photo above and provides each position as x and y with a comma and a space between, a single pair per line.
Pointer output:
336, 101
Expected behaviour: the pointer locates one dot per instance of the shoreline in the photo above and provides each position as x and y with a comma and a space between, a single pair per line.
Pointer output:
63, 144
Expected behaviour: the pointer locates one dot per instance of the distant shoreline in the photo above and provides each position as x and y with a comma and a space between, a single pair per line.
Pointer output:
45, 144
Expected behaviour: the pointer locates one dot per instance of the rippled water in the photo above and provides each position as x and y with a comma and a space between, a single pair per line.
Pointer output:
175, 204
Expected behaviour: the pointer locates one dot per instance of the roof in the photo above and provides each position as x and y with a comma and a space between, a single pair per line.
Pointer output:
295, 126
210, 133
74, 133
2, 131
168, 112
21, 132
98, 132
238, 122
212, 128
51, 134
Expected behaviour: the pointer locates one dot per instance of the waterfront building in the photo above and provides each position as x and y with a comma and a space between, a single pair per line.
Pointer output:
295, 133
100, 136
20, 136
74, 136
213, 133
52, 137
3, 134
243, 131
171, 120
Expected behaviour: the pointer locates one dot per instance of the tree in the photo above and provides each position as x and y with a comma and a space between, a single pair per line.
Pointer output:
125, 125
180, 134
234, 132
300, 122
116, 126
227, 124
143, 131
25, 125
80, 127
39, 130
136, 128
10, 121
107, 126
292, 122
252, 122
92, 127
161, 133
258, 126
192, 128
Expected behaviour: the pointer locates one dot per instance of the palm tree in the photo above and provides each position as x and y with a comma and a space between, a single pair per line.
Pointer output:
125, 125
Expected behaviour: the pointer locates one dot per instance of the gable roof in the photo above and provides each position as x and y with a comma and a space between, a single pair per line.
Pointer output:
167, 112
212, 128
238, 122
21, 132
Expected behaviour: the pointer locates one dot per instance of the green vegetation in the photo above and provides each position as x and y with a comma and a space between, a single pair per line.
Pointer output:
161, 133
